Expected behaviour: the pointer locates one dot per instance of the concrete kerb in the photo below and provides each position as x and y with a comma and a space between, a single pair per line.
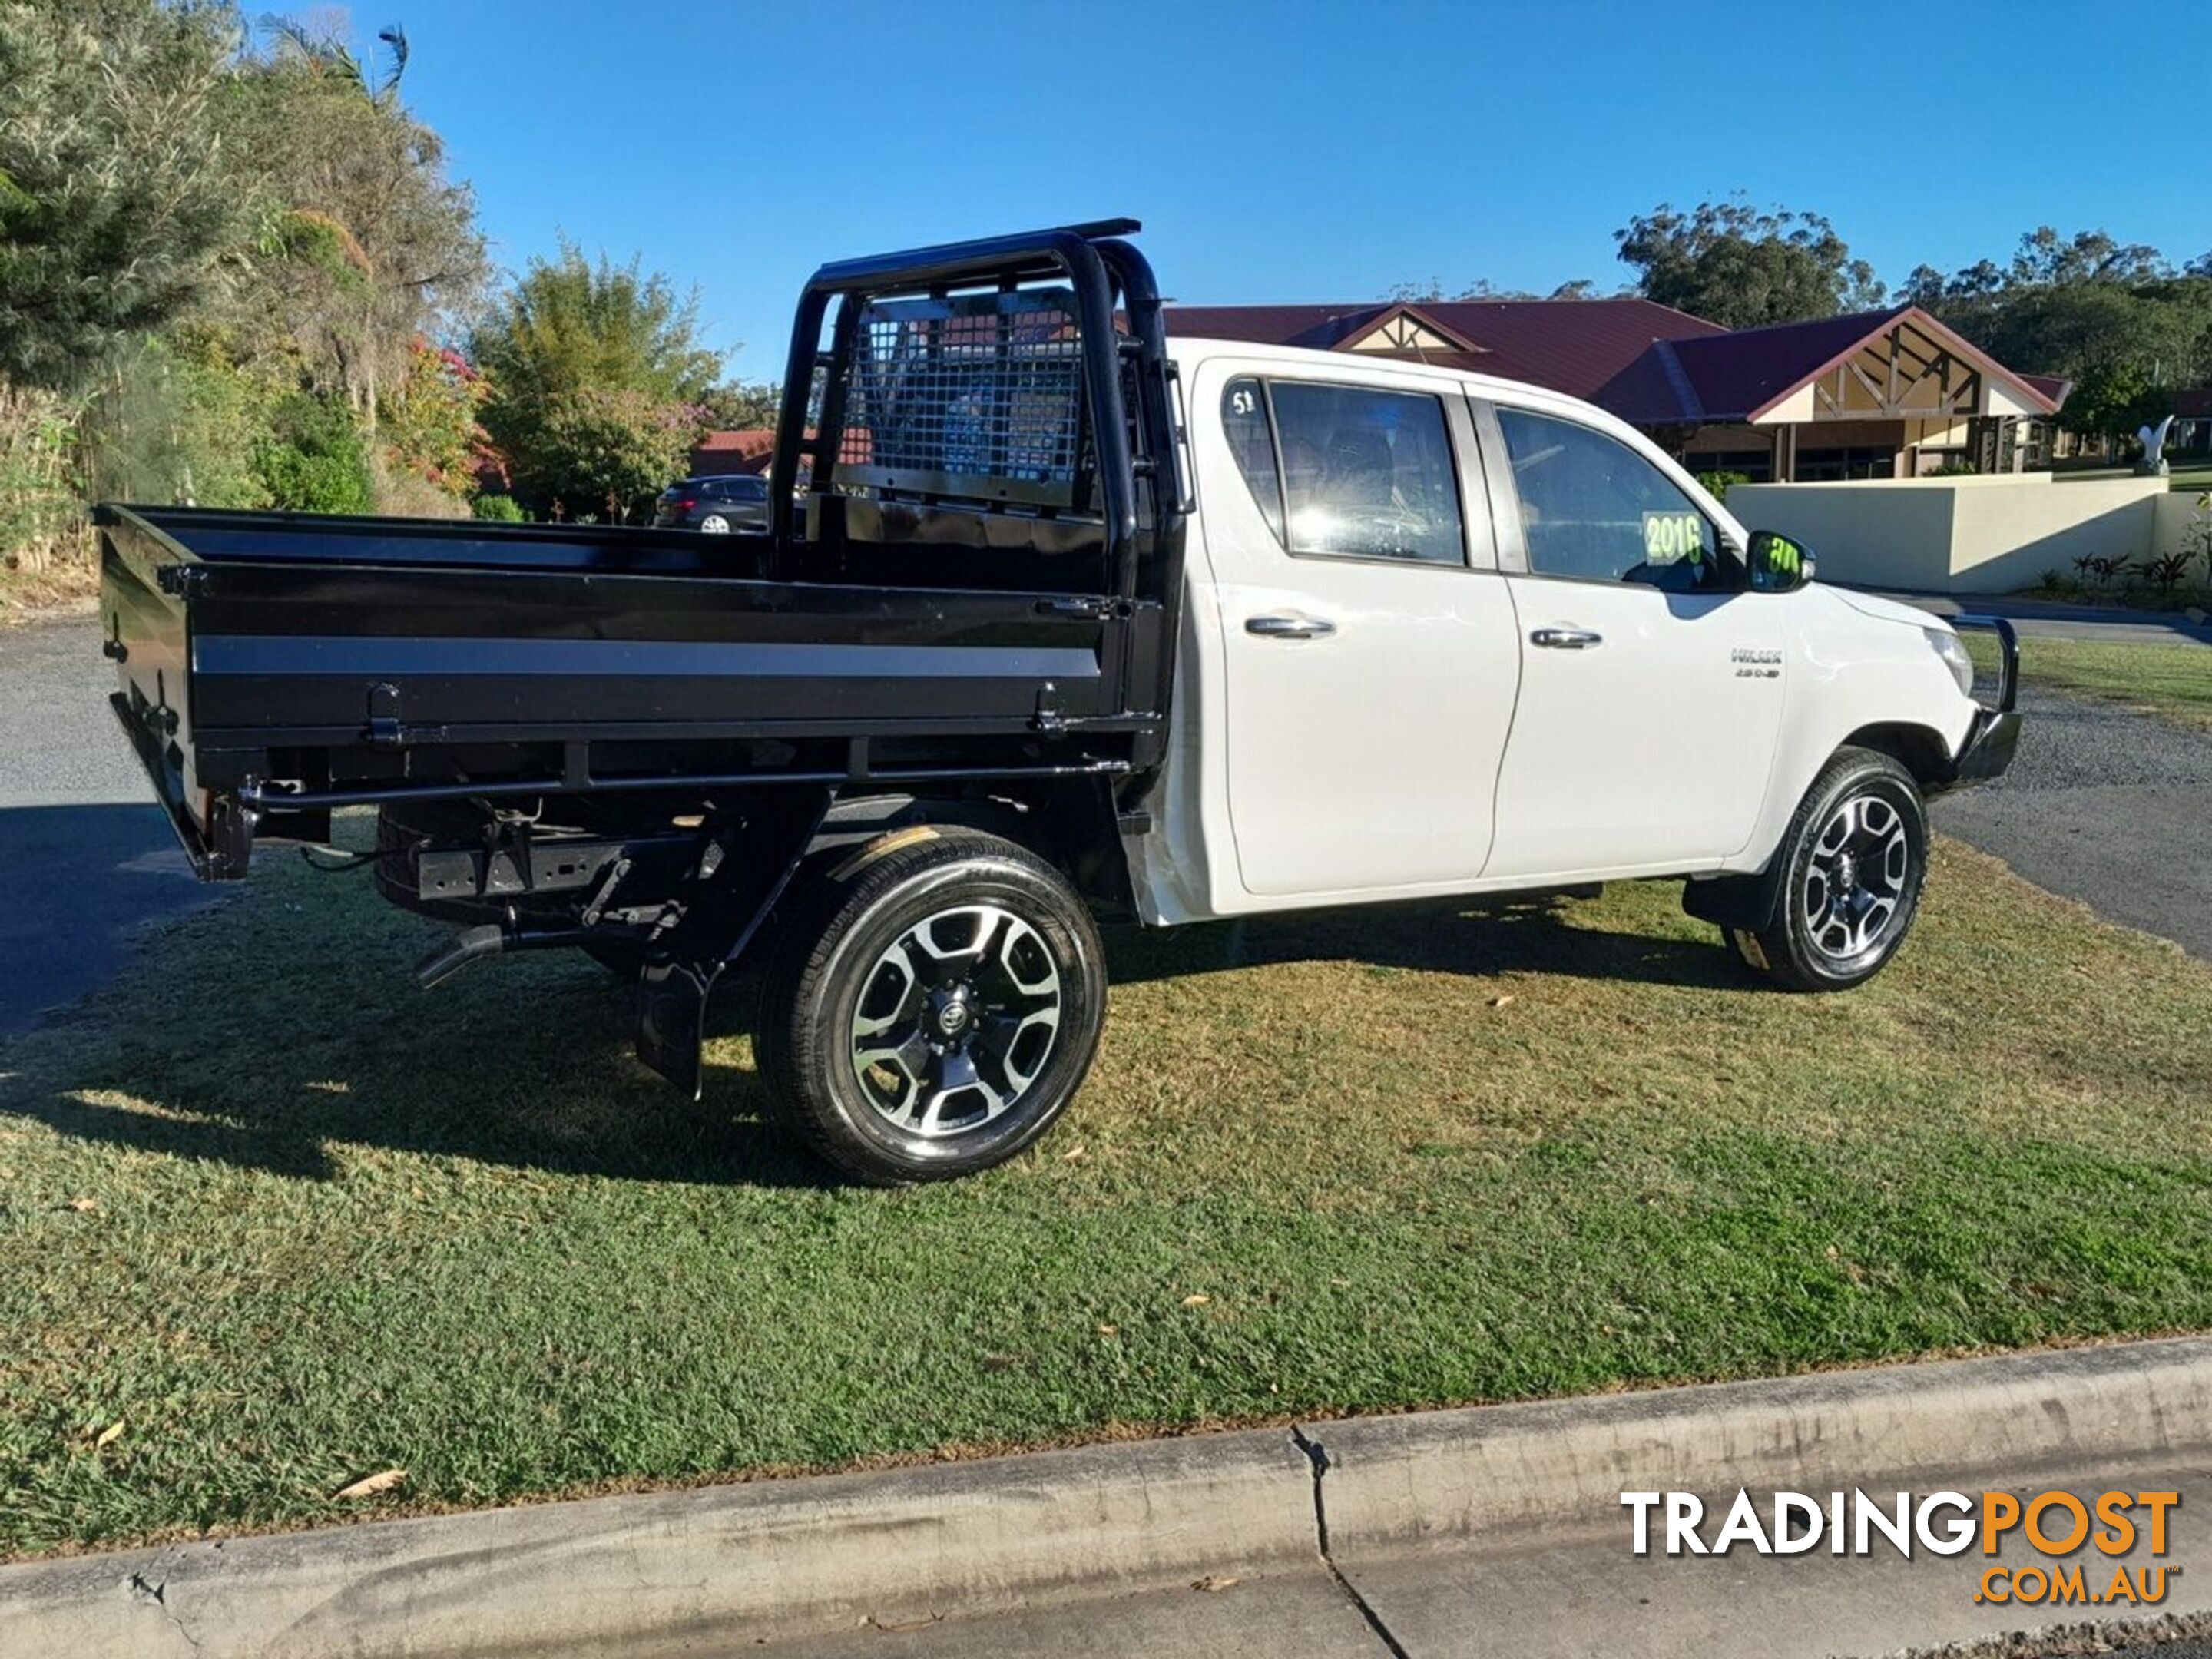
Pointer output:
786, 1559
1512, 1472
763, 1559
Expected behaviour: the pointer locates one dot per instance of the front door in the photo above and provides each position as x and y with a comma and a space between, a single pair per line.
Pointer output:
1368, 638
1651, 682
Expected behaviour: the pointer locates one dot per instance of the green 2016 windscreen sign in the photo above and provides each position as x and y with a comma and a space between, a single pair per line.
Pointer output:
1670, 537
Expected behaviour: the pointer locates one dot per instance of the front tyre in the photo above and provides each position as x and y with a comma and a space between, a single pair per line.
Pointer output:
1855, 856
936, 1006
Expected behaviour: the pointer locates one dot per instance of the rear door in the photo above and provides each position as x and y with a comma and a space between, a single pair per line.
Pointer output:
1367, 639
1651, 681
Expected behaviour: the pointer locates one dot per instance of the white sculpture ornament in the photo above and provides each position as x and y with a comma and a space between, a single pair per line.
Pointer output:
2153, 464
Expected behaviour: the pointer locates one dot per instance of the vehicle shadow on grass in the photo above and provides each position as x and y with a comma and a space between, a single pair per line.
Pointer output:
528, 1064
82, 879
530, 1069
1519, 935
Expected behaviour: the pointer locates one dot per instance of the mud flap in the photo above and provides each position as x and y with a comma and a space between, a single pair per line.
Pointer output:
726, 898
1744, 904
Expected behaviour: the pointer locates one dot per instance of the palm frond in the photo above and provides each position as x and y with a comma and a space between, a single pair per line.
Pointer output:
395, 48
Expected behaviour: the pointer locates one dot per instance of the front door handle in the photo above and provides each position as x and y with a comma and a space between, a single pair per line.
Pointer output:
1290, 628
1565, 639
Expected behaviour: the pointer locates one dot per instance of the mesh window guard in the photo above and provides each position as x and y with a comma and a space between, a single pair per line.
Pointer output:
976, 395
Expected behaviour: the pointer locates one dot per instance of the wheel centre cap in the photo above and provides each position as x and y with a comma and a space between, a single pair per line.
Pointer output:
1847, 872
951, 1013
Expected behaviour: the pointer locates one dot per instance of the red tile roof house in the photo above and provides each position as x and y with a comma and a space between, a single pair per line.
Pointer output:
1878, 394
719, 454
752, 449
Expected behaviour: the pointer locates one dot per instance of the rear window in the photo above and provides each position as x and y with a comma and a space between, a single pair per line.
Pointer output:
1346, 471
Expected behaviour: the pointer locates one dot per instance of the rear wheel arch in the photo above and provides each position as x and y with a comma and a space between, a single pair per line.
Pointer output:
1070, 822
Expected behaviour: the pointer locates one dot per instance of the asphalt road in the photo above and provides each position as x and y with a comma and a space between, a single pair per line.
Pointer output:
2111, 808
88, 856
2052, 620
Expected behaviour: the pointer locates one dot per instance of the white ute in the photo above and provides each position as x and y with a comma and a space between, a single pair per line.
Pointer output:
1055, 619
1446, 633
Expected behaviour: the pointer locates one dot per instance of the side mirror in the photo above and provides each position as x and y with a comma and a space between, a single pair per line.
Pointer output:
1777, 565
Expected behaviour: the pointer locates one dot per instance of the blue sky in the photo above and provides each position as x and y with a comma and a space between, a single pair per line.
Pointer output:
1288, 152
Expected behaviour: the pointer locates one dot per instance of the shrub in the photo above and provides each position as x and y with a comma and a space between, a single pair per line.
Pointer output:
2196, 539
2167, 570
179, 421
300, 481
315, 462
1956, 470
2103, 566
1718, 484
39, 512
402, 494
608, 451
496, 509
428, 427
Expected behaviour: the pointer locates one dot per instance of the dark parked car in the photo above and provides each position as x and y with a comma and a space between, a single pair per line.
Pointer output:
718, 506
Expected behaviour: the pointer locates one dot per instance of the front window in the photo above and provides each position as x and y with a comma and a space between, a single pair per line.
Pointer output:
1347, 471
1593, 508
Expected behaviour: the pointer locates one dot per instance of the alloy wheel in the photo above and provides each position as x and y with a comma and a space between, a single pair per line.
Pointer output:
1856, 878
956, 1020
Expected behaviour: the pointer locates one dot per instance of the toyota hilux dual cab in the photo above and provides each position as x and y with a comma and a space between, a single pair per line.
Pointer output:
1070, 623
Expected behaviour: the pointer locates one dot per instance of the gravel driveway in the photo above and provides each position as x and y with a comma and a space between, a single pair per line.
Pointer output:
2106, 807
88, 857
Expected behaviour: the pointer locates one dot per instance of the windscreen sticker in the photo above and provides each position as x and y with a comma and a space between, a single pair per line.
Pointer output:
1670, 536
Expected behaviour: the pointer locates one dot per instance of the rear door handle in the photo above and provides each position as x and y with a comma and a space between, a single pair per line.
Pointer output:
1290, 628
1565, 639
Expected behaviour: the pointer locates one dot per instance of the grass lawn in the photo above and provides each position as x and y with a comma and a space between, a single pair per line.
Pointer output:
2184, 472
2172, 680
288, 1221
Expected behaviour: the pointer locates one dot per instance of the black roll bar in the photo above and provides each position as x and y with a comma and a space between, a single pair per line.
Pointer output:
1096, 265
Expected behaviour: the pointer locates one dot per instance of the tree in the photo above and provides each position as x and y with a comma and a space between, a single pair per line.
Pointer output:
1482, 289
362, 245
742, 406
2046, 259
569, 324
116, 194
569, 328
1732, 264
604, 450
2112, 317
430, 428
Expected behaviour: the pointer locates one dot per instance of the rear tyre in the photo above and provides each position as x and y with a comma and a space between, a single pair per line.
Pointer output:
714, 524
1855, 856
935, 1007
